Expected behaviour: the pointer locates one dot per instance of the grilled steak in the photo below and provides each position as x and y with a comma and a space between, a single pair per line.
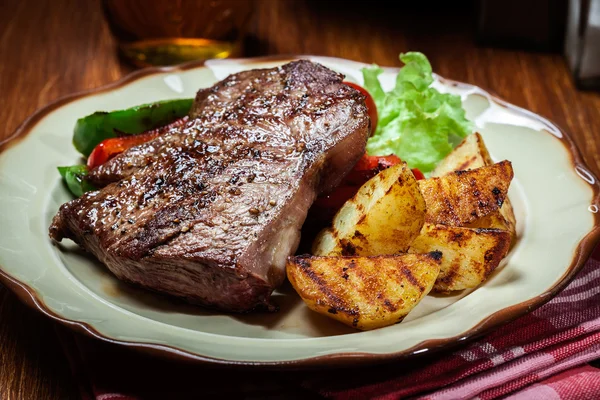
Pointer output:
210, 211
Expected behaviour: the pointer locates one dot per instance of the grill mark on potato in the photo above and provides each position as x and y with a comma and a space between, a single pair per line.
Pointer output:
435, 255
494, 255
449, 211
448, 276
465, 164
444, 195
375, 297
337, 303
388, 305
348, 248
457, 237
410, 277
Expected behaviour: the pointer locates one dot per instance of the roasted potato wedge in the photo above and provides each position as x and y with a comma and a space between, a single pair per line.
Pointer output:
364, 292
469, 255
472, 153
327, 244
384, 217
461, 197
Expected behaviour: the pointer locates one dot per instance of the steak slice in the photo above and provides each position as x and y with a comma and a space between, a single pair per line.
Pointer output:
210, 211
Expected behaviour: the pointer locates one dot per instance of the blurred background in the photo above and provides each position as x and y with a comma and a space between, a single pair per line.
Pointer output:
94, 42
158, 32
169, 32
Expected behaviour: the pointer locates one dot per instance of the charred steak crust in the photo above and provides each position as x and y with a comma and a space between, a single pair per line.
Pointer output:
209, 212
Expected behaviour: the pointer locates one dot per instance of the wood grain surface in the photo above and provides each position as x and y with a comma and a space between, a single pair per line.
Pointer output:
49, 49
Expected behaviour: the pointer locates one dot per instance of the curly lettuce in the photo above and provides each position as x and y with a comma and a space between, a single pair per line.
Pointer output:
416, 122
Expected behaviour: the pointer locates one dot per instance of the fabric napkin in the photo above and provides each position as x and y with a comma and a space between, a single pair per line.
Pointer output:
542, 355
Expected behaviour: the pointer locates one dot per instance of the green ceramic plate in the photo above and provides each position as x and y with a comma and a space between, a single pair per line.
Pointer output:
554, 195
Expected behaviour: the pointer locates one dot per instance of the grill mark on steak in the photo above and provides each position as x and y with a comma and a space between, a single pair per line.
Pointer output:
210, 211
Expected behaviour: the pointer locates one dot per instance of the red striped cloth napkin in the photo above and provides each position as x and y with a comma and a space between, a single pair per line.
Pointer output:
542, 355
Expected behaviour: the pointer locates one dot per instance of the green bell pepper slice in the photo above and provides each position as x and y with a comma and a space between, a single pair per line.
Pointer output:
91, 130
74, 177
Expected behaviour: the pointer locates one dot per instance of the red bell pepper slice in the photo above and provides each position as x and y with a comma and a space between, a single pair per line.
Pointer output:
366, 168
109, 148
370, 103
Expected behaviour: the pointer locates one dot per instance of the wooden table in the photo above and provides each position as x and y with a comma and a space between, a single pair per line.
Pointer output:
54, 48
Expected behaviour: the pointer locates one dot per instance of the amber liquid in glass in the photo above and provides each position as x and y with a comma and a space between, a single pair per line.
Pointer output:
168, 32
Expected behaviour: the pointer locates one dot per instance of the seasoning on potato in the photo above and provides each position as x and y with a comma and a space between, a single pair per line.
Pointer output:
469, 255
364, 292
462, 197
457, 227
384, 217
472, 153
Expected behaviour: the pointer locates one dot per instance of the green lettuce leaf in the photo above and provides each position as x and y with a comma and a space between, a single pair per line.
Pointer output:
416, 122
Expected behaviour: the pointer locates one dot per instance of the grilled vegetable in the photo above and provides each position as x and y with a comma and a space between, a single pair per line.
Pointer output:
109, 148
461, 197
367, 167
93, 129
469, 255
384, 217
472, 153
74, 177
364, 292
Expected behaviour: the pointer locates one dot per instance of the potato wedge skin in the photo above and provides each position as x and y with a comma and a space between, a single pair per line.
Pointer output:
384, 217
472, 153
509, 221
461, 197
364, 292
469, 255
